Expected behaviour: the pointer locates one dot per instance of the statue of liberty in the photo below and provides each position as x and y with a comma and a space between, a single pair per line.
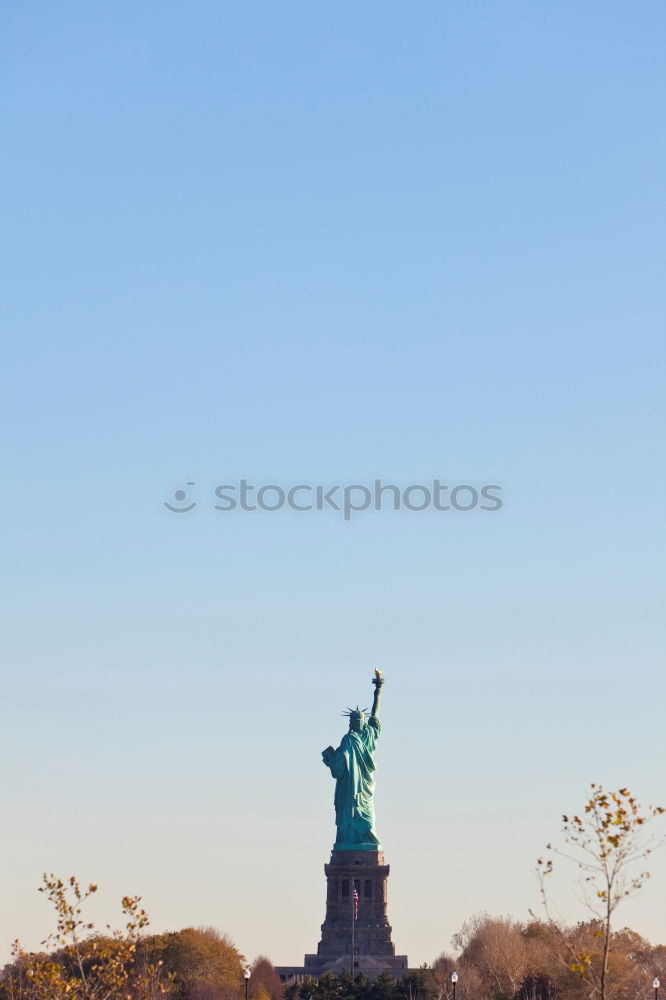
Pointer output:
352, 765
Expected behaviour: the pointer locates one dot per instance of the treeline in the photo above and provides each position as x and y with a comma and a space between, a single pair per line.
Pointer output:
130, 964
502, 959
493, 959
190, 964
498, 959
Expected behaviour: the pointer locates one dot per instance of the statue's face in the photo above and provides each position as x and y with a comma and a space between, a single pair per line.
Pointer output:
356, 721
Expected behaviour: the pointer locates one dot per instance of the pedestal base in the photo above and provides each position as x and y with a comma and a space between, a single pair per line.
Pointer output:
374, 950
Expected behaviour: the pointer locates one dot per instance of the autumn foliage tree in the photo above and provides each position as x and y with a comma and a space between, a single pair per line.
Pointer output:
82, 965
264, 984
203, 964
606, 843
528, 964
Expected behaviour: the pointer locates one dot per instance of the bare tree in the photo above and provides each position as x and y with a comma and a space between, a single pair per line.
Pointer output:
469, 986
496, 949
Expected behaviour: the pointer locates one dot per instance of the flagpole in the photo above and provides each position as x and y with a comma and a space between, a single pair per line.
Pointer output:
353, 909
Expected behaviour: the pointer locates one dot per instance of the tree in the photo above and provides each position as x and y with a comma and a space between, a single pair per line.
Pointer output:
204, 964
496, 949
324, 988
540, 982
85, 966
264, 980
469, 986
416, 985
383, 987
605, 844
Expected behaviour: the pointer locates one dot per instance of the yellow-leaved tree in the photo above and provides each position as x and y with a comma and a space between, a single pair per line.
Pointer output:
80, 964
608, 844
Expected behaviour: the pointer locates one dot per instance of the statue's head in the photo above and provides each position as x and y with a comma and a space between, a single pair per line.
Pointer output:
356, 718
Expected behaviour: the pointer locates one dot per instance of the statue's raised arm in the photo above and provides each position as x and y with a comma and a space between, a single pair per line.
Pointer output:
377, 680
352, 765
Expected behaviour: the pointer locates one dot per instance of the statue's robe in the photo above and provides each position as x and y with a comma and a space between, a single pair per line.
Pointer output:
352, 765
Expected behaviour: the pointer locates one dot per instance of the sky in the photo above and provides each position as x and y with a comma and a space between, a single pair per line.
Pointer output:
327, 244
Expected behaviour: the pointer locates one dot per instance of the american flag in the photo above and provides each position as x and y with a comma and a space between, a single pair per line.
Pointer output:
355, 899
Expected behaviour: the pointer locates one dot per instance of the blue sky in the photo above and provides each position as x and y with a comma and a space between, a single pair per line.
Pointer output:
309, 243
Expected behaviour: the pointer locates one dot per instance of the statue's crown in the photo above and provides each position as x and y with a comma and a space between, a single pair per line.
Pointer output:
356, 713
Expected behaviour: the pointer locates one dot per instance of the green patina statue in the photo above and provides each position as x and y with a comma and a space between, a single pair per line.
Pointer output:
352, 765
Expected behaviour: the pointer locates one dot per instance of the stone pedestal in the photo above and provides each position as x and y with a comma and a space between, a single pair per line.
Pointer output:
373, 949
